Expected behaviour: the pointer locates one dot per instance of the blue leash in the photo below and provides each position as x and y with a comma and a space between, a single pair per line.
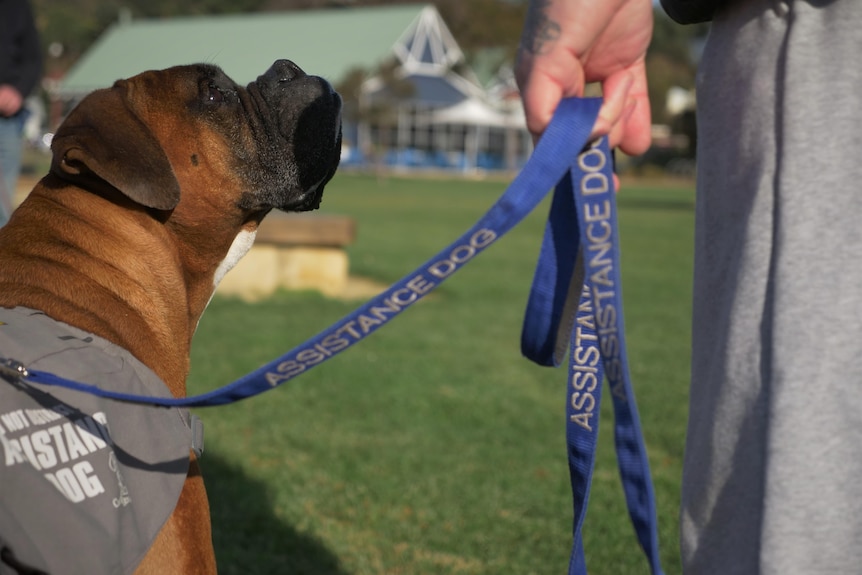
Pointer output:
575, 300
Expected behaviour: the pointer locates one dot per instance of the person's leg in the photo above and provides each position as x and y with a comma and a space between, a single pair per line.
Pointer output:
722, 492
774, 447
11, 144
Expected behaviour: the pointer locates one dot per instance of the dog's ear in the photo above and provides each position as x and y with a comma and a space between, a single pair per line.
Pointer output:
103, 138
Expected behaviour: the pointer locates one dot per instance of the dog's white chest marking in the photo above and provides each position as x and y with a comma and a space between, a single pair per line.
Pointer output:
240, 246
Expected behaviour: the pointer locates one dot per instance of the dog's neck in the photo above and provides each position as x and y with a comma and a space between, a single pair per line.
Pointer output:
126, 280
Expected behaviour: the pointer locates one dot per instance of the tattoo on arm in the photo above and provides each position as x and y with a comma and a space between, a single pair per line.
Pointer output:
539, 30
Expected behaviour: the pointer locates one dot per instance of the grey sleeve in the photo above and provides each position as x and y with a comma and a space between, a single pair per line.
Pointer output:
691, 11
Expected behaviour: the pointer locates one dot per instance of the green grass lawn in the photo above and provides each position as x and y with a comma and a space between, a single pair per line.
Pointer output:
434, 446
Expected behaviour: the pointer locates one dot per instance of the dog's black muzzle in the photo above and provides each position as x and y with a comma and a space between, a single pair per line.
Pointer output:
308, 114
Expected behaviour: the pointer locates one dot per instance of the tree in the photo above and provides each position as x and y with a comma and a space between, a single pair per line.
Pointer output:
671, 60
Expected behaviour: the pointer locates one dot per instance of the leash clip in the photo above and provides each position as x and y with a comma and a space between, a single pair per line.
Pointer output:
12, 370
197, 425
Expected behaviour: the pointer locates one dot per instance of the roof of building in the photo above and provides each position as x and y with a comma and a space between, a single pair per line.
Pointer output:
326, 43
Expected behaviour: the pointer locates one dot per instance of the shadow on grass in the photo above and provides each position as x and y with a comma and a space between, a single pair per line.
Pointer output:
249, 537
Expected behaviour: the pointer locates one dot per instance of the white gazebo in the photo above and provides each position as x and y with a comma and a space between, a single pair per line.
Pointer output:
447, 120
481, 123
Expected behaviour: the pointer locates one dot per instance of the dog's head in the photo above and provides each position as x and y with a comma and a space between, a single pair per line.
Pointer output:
181, 139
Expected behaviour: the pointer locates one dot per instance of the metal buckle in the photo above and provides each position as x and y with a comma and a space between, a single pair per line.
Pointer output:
12, 370
197, 426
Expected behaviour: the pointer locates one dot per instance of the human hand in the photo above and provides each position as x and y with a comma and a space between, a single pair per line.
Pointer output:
11, 100
569, 43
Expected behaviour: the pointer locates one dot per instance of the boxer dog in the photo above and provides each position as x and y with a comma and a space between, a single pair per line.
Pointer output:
156, 188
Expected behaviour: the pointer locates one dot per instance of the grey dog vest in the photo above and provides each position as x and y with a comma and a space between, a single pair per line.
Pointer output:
85, 483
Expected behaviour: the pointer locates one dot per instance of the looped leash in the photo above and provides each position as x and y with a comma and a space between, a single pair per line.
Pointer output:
575, 305
575, 301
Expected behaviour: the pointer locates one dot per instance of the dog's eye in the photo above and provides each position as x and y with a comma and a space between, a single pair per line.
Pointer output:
215, 95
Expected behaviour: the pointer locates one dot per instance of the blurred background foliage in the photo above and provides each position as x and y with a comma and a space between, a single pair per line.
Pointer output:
69, 27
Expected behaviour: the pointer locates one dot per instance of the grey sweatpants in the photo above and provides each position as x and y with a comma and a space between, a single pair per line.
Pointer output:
773, 467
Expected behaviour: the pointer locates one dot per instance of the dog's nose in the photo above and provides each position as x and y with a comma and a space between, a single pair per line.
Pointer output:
286, 70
